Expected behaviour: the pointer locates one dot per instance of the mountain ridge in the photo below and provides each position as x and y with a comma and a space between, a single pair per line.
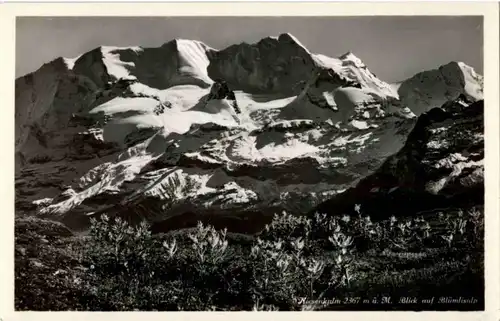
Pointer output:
105, 58
283, 35
122, 125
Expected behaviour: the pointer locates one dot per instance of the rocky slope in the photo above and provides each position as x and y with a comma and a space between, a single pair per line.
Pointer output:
184, 131
441, 165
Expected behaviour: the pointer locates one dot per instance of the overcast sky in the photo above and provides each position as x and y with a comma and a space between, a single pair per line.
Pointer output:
394, 48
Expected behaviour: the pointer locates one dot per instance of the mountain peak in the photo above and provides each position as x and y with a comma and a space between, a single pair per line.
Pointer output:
288, 37
456, 63
424, 90
452, 64
350, 57
180, 41
346, 55
285, 38
459, 65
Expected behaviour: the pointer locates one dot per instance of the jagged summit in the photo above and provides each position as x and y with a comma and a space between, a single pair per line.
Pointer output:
279, 66
432, 88
111, 62
288, 37
273, 64
57, 65
180, 41
456, 63
350, 57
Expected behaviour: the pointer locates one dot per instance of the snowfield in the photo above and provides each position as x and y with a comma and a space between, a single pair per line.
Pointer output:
116, 126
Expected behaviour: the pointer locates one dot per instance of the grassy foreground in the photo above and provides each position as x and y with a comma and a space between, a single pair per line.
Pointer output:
433, 262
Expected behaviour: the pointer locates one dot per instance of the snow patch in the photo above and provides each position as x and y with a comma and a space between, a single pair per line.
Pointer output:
359, 124
70, 62
290, 149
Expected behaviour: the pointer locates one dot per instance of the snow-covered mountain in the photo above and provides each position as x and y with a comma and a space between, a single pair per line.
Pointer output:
435, 87
184, 131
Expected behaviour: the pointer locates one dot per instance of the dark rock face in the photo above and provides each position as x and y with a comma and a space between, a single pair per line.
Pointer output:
441, 165
271, 65
220, 90
91, 65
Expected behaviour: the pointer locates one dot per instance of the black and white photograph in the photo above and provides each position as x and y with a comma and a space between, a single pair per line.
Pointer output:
249, 163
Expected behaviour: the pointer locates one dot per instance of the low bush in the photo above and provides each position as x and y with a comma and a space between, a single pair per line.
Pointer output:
123, 267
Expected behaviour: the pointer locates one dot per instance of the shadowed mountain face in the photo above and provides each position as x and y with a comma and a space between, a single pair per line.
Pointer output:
185, 132
441, 165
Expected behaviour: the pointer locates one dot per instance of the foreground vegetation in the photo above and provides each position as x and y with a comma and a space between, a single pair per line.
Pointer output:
296, 263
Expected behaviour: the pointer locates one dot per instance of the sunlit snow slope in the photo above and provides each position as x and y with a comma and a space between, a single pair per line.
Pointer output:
149, 133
